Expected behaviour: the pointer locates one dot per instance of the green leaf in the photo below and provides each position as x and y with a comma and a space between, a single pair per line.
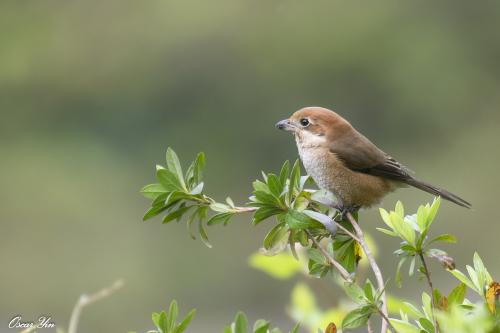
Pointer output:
422, 218
404, 326
169, 180
160, 200
346, 252
396, 306
266, 198
483, 275
274, 185
474, 278
261, 326
387, 232
173, 313
325, 220
203, 234
161, 321
403, 228
197, 189
176, 196
265, 212
230, 202
300, 203
185, 323
152, 191
357, 317
354, 292
298, 220
316, 256
368, 290
260, 186
448, 238
427, 305
400, 209
274, 235
433, 211
190, 221
427, 325
285, 169
219, 218
412, 266
176, 214
194, 173
463, 278
325, 198
386, 217
220, 207
240, 323
174, 165
294, 180
398, 271
153, 211
457, 295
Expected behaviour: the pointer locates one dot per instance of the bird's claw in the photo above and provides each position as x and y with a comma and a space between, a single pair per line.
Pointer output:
344, 210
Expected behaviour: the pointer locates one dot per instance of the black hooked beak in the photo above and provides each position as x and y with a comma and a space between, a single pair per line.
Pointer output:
285, 125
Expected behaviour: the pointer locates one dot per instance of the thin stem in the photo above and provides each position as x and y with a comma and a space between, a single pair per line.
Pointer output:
341, 227
342, 271
376, 270
85, 300
427, 274
386, 320
369, 326
245, 209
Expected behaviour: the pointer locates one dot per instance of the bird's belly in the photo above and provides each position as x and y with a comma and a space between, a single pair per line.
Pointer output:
351, 187
318, 168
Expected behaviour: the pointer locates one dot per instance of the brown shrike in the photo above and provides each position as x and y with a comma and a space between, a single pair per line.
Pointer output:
344, 162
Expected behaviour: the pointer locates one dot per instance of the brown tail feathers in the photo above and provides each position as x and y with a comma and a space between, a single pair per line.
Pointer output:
438, 191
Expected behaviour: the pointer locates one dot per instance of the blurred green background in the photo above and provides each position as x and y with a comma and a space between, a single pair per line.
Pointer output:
93, 92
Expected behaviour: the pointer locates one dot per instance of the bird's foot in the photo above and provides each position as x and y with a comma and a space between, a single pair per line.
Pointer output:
344, 210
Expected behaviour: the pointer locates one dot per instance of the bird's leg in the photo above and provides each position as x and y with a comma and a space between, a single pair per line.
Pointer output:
344, 210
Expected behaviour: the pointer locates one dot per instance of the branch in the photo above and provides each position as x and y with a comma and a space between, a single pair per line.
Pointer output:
85, 300
431, 287
369, 326
350, 234
342, 271
386, 320
376, 270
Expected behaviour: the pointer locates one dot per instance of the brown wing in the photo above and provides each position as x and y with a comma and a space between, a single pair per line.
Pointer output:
361, 155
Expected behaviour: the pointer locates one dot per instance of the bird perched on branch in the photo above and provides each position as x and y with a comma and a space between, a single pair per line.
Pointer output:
344, 162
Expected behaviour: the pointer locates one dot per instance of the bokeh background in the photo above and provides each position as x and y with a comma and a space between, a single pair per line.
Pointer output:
93, 92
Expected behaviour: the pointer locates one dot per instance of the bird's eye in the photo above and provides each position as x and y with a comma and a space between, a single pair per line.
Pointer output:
304, 122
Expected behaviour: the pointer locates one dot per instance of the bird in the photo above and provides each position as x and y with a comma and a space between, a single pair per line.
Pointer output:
344, 162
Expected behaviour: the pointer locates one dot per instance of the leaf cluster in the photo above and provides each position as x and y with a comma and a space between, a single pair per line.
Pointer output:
166, 322
299, 213
368, 300
240, 325
413, 230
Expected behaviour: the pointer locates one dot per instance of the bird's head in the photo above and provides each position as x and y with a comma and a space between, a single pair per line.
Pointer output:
314, 120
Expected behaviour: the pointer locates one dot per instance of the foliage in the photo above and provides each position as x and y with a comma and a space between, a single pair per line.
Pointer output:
240, 325
167, 322
281, 196
312, 238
